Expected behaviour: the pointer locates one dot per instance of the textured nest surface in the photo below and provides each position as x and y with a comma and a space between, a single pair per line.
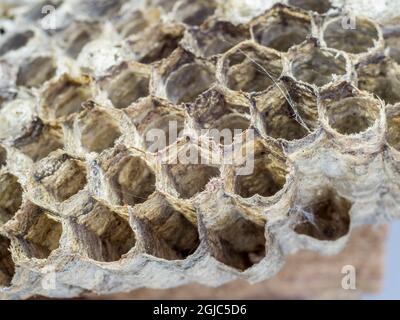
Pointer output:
86, 204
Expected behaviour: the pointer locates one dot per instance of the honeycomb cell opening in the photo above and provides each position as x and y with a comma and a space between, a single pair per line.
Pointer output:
223, 118
135, 22
282, 32
10, 197
217, 37
319, 6
62, 177
126, 87
35, 72
43, 236
284, 123
77, 35
16, 42
326, 217
41, 140
7, 267
194, 12
191, 179
134, 181
351, 39
156, 43
318, 67
167, 125
267, 177
172, 227
381, 77
95, 137
65, 97
240, 244
251, 69
186, 83
353, 115
114, 235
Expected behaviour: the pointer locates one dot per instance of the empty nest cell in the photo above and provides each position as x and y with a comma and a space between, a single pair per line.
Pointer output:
289, 111
133, 180
185, 77
281, 28
64, 96
266, 174
326, 217
16, 41
177, 234
98, 130
111, 234
61, 175
318, 66
37, 231
156, 43
10, 197
219, 114
194, 12
36, 71
7, 267
159, 122
240, 243
40, 140
191, 178
135, 22
126, 83
77, 35
380, 75
352, 37
352, 115
215, 37
250, 68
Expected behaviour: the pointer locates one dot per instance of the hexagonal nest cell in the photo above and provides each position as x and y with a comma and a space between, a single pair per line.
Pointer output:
184, 76
98, 130
111, 234
64, 96
194, 12
288, 111
177, 233
40, 140
126, 83
356, 37
350, 112
36, 231
268, 174
61, 175
317, 66
36, 71
16, 41
132, 179
223, 117
239, 241
326, 217
250, 68
281, 29
159, 122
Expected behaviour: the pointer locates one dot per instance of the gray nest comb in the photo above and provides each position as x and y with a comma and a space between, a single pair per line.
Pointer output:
87, 204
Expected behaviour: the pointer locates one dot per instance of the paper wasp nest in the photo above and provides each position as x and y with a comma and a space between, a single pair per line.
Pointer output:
88, 205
